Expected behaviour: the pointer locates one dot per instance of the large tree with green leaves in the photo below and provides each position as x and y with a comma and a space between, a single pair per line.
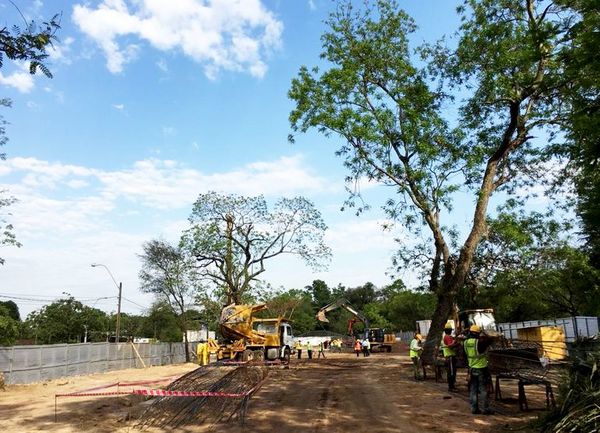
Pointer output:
581, 89
65, 321
394, 116
232, 237
170, 274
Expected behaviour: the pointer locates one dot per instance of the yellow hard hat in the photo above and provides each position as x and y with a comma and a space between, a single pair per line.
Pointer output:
418, 336
475, 328
448, 326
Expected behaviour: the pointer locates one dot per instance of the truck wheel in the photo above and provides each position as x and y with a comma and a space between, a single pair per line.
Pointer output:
389, 349
258, 355
247, 355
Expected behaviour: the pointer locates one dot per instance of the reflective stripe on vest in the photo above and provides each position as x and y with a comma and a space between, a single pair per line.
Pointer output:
476, 359
447, 350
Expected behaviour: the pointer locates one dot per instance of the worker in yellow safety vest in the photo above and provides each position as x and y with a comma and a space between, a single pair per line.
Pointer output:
415, 350
479, 375
298, 348
309, 349
449, 345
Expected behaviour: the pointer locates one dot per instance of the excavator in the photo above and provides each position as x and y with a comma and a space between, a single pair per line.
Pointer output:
377, 336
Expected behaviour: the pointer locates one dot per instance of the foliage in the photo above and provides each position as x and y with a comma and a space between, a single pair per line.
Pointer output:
579, 394
12, 308
393, 115
9, 327
582, 90
295, 305
560, 282
65, 321
29, 44
232, 237
404, 308
161, 323
170, 274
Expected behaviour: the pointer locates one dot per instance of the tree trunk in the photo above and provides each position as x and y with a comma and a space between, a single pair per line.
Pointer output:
443, 310
185, 342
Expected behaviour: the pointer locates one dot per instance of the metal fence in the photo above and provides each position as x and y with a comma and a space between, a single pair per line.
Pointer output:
27, 364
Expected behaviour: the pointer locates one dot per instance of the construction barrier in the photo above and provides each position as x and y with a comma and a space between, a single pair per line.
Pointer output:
28, 364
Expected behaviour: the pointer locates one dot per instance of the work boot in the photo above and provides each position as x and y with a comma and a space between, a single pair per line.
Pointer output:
488, 412
475, 411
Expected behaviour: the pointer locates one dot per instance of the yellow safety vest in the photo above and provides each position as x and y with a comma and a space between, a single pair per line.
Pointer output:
476, 359
414, 346
448, 351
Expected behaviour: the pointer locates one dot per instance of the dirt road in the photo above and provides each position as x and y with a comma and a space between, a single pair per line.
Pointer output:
339, 394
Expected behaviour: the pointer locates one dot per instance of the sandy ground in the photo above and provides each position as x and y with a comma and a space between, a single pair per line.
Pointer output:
339, 394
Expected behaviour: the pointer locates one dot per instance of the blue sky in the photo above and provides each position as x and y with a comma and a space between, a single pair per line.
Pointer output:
152, 103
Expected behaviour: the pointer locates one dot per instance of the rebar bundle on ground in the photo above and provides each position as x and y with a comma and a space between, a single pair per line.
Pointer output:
229, 389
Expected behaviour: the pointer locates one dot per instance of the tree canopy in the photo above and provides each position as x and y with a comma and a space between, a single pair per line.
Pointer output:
394, 114
232, 237
170, 274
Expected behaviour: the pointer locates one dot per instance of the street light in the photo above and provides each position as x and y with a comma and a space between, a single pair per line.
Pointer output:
120, 287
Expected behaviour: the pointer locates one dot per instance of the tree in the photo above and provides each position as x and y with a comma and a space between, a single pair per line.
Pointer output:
29, 44
161, 323
233, 236
582, 90
392, 115
294, 304
404, 308
12, 308
9, 327
65, 321
170, 274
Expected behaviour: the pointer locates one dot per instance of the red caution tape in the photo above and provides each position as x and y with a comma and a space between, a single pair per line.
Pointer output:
163, 393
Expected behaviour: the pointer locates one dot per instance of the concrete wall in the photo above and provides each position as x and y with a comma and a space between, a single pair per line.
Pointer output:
28, 364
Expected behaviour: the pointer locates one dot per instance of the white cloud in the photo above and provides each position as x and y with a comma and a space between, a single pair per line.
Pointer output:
231, 35
312, 5
360, 236
152, 183
58, 51
21, 79
119, 107
162, 65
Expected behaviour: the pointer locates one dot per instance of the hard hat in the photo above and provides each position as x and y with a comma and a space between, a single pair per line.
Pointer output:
448, 326
418, 336
475, 328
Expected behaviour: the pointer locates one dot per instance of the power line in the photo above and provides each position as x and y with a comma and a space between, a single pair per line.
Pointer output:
135, 303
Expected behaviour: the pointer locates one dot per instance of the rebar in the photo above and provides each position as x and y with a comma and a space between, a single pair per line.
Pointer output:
177, 411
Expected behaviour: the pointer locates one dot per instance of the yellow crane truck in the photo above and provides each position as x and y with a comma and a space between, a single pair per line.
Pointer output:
250, 338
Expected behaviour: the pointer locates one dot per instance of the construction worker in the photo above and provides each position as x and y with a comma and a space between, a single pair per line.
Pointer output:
321, 349
366, 347
202, 353
298, 348
415, 354
309, 349
357, 347
479, 375
449, 345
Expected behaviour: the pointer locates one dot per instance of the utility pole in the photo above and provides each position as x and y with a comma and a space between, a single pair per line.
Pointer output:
119, 312
120, 287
